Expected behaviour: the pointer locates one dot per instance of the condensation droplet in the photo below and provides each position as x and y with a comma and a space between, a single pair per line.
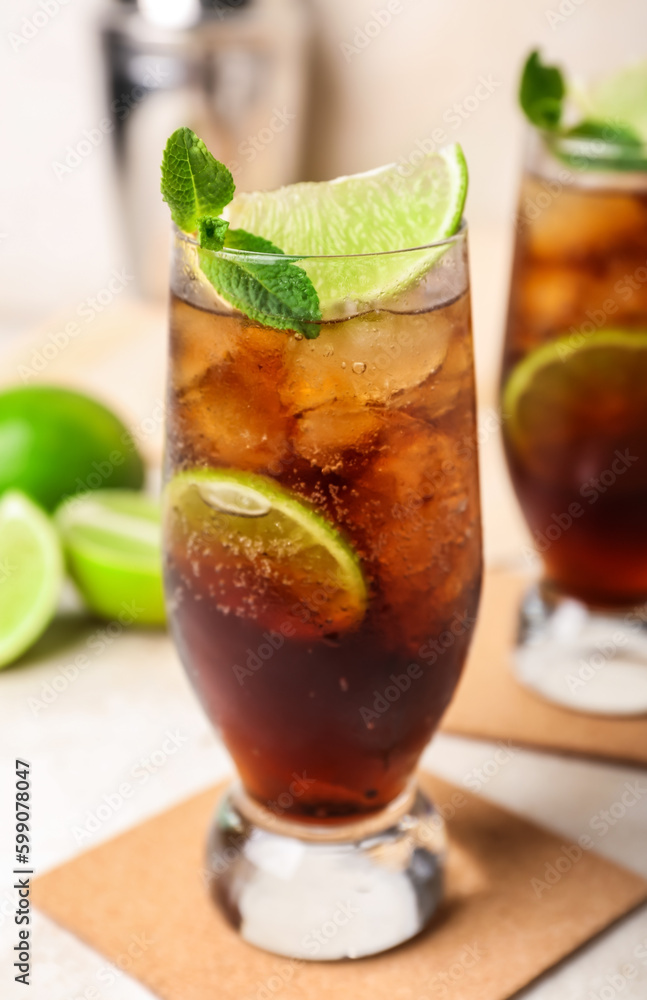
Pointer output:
343, 364
298, 336
359, 367
328, 351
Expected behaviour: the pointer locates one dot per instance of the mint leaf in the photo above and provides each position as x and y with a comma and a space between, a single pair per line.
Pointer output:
541, 92
212, 232
194, 183
240, 239
278, 294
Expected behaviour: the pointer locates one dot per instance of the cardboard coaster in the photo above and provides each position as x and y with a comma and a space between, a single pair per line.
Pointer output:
490, 703
140, 900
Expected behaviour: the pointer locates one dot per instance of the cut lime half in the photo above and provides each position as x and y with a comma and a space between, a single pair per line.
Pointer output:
261, 552
31, 574
396, 207
113, 547
573, 390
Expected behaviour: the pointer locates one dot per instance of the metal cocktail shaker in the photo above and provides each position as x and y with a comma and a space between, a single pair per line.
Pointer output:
235, 71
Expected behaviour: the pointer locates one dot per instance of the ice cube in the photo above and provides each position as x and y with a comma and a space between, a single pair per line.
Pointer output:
367, 359
448, 388
198, 340
421, 502
550, 298
325, 435
577, 222
231, 412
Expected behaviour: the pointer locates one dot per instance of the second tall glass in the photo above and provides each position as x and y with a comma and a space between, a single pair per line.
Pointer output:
574, 400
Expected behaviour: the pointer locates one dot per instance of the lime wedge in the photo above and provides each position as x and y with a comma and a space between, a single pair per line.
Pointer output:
31, 574
620, 99
566, 393
396, 207
262, 553
113, 547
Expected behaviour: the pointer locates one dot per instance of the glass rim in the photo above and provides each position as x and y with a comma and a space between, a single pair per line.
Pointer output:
229, 253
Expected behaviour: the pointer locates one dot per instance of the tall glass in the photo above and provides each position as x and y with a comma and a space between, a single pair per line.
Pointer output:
574, 391
323, 564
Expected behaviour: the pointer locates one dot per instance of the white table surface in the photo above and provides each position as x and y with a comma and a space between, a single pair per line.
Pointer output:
118, 710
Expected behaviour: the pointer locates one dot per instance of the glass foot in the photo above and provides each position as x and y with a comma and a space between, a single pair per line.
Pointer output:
327, 892
588, 660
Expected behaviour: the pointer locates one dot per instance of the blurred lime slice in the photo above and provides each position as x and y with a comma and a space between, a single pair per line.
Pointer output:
277, 558
396, 207
31, 574
113, 547
620, 99
564, 392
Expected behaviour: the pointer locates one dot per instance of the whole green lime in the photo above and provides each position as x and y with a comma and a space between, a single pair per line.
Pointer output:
55, 442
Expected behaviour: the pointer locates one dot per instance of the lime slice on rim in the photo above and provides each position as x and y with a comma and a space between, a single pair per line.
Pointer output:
31, 574
112, 541
621, 98
563, 395
262, 553
396, 207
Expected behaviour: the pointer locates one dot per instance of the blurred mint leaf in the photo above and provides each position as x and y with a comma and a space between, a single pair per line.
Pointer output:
278, 294
541, 92
194, 183
605, 145
608, 132
212, 232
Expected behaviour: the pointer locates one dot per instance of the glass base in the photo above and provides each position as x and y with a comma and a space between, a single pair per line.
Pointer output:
588, 660
327, 892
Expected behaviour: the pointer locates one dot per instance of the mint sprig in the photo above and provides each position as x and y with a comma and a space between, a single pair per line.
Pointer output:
197, 188
542, 95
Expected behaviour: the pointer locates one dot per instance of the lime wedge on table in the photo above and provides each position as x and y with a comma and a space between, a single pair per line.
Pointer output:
563, 393
272, 556
396, 207
113, 547
621, 99
31, 574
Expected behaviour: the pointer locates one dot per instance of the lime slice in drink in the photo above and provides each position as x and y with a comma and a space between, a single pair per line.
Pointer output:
620, 99
396, 207
113, 547
573, 389
262, 553
31, 574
